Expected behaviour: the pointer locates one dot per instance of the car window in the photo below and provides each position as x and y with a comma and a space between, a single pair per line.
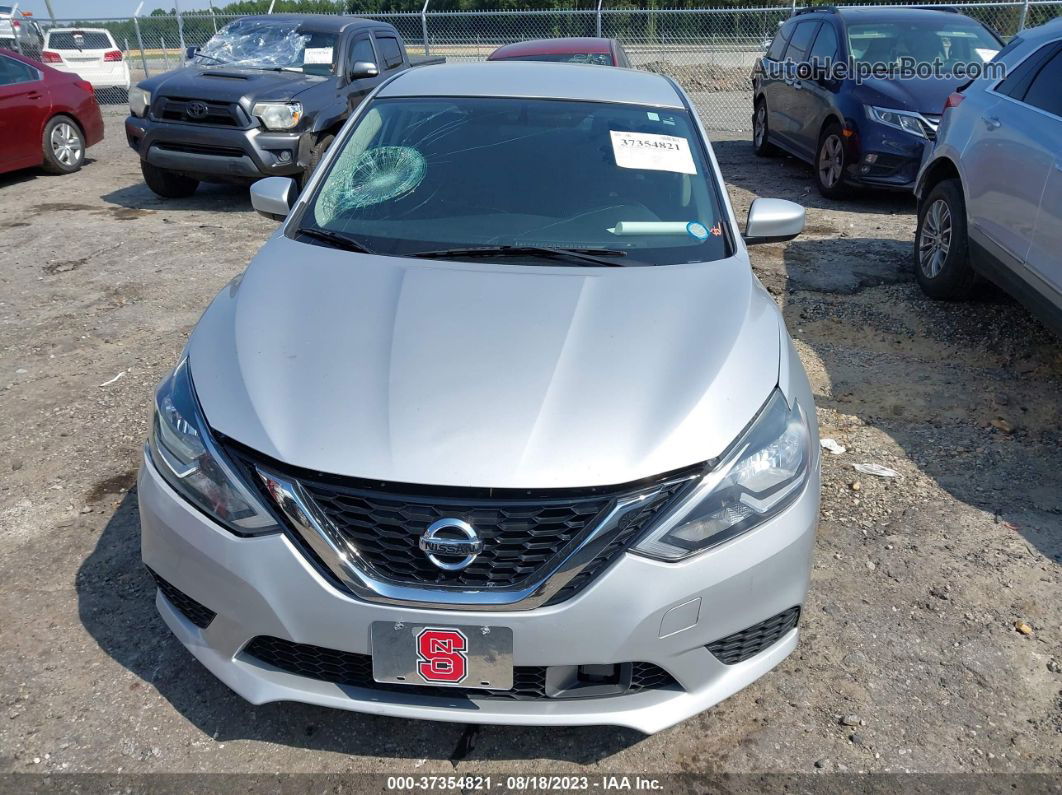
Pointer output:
781, 38
361, 51
1044, 90
424, 174
12, 71
271, 43
825, 48
389, 51
78, 40
1020, 77
798, 45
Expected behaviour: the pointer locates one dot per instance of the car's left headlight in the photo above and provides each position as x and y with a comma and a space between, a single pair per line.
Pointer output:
139, 101
278, 115
761, 474
188, 459
900, 119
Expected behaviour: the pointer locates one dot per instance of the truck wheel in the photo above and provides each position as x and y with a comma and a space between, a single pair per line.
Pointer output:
167, 184
63, 146
941, 263
316, 154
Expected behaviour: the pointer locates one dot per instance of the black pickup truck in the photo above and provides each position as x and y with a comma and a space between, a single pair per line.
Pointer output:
264, 97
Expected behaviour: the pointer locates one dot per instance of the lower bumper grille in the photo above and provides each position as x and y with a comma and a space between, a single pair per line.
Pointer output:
198, 614
751, 641
348, 668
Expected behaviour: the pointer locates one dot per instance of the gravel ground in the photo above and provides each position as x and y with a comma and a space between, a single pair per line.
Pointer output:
931, 640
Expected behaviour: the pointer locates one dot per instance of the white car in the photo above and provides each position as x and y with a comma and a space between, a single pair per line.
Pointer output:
90, 53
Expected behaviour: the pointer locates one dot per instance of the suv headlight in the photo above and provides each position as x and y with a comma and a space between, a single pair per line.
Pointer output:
759, 476
278, 115
139, 101
900, 119
188, 459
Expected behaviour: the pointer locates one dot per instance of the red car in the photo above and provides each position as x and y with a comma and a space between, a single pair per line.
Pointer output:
604, 52
47, 118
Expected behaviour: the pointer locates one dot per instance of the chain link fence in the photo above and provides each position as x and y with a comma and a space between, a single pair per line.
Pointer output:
710, 51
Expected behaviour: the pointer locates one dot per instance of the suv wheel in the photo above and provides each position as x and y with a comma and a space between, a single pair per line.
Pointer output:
167, 184
760, 145
830, 163
941, 265
63, 146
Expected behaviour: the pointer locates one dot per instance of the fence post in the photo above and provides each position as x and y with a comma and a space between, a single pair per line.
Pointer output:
140, 39
180, 29
599, 18
1024, 15
16, 29
213, 19
48, 5
165, 53
270, 11
424, 26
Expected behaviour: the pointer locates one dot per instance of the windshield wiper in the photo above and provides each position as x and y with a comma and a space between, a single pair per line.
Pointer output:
335, 239
586, 256
211, 57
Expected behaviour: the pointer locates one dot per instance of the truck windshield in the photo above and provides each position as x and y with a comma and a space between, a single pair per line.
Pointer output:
429, 174
271, 44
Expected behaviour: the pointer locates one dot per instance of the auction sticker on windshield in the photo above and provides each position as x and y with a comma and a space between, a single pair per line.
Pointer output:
313, 55
652, 152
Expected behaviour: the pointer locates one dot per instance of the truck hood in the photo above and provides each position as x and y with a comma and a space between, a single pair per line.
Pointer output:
504, 376
225, 84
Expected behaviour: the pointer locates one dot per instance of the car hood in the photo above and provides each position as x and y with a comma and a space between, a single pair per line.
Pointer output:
924, 95
491, 375
230, 84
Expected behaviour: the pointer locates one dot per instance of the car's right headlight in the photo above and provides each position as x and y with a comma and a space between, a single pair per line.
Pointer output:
187, 458
139, 101
278, 115
761, 474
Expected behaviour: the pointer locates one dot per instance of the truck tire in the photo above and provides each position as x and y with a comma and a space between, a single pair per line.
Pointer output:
167, 184
316, 154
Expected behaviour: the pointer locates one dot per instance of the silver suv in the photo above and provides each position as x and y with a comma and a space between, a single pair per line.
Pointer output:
990, 191
499, 427
19, 32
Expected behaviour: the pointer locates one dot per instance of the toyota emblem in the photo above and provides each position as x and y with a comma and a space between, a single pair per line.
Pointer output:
196, 110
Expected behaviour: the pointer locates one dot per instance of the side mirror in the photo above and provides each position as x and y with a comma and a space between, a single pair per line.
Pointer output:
363, 69
191, 52
273, 196
773, 221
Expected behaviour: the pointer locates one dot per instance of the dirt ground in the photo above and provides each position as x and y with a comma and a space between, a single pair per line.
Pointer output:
910, 658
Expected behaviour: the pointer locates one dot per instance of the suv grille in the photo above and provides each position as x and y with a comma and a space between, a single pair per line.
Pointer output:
198, 614
218, 114
347, 668
751, 641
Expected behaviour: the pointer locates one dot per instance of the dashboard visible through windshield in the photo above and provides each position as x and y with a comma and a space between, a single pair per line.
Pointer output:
429, 174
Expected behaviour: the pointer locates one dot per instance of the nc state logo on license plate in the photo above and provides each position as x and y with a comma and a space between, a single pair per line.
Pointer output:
441, 655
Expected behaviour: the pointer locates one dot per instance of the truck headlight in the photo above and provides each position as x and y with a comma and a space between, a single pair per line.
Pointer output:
278, 115
759, 476
188, 459
139, 101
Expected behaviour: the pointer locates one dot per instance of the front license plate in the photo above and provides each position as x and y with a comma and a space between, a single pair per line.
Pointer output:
445, 656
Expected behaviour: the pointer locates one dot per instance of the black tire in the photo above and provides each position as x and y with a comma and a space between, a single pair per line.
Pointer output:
941, 255
831, 148
760, 145
167, 184
316, 154
63, 146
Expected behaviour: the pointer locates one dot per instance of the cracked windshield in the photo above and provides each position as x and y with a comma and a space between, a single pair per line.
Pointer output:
280, 45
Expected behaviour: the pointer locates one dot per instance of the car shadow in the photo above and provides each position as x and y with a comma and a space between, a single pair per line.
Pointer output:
209, 197
116, 604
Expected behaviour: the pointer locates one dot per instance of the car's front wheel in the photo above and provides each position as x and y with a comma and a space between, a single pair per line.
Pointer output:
830, 162
63, 145
942, 266
167, 184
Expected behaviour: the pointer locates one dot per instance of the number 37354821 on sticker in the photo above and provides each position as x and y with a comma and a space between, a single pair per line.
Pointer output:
652, 152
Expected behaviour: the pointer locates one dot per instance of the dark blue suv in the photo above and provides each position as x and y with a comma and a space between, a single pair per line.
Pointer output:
858, 92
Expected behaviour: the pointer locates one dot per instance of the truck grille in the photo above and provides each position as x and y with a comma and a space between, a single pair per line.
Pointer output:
347, 668
190, 111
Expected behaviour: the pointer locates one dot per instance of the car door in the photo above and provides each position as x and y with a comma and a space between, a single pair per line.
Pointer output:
1045, 253
1007, 163
361, 51
789, 105
813, 96
771, 83
24, 104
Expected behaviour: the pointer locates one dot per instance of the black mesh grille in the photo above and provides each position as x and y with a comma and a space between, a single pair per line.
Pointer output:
751, 641
198, 614
218, 114
347, 668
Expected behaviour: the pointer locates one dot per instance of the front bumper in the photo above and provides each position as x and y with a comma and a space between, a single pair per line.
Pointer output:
896, 157
217, 154
264, 586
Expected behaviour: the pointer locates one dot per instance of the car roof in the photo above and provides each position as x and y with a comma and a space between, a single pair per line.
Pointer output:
1049, 31
535, 80
888, 14
575, 45
77, 30
322, 23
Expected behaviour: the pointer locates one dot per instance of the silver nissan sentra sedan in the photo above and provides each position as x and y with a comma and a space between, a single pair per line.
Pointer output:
498, 427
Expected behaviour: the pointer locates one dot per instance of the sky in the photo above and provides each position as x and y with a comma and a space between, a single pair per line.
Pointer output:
103, 9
